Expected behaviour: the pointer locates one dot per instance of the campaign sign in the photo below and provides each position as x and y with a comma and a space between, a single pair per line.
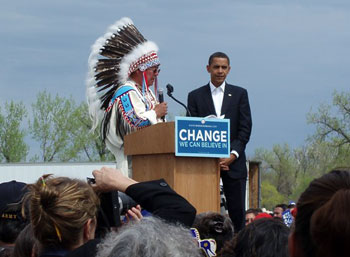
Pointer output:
202, 137
287, 217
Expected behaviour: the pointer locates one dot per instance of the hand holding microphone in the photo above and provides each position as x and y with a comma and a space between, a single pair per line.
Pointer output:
161, 109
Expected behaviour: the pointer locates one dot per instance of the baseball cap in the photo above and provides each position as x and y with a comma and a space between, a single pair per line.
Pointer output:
11, 196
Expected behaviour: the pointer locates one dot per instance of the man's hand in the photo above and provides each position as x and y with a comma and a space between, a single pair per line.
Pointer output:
109, 179
225, 162
161, 109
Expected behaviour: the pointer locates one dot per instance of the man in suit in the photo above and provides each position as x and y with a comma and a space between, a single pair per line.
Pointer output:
230, 102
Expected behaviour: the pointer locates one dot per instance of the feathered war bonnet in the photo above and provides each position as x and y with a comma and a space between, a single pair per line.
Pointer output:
125, 51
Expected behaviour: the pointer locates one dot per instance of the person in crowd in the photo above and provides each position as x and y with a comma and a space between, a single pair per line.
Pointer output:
12, 220
291, 205
63, 214
322, 226
263, 215
212, 225
26, 244
278, 210
155, 196
265, 237
123, 66
250, 215
223, 100
151, 237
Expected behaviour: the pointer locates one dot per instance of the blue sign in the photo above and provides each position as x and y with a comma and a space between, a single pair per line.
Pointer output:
202, 137
287, 218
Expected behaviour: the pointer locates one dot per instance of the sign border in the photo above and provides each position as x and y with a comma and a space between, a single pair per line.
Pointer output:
177, 118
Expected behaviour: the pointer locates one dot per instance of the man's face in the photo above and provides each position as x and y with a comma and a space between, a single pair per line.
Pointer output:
249, 217
151, 74
277, 212
218, 69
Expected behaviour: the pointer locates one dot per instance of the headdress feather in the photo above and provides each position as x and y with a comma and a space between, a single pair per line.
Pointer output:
124, 50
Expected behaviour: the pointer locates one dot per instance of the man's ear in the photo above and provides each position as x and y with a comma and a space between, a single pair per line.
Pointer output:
208, 69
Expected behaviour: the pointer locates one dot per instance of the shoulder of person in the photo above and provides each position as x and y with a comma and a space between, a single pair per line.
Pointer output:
197, 90
235, 87
128, 86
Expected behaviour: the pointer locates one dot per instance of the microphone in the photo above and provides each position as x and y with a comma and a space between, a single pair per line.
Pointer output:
161, 99
170, 90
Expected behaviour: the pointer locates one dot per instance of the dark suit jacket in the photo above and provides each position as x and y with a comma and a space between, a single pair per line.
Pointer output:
236, 108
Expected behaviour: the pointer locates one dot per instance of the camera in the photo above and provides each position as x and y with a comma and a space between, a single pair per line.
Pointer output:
113, 206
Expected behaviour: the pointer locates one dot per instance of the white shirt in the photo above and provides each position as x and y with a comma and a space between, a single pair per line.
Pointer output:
217, 94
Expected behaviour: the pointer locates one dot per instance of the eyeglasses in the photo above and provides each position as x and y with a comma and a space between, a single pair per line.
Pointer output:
155, 70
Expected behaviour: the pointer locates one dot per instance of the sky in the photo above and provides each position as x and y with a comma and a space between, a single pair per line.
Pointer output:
289, 55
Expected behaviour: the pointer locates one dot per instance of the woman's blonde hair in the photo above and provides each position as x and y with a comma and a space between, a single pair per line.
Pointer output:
59, 209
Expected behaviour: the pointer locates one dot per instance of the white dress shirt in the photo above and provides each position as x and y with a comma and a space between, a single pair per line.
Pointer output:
217, 94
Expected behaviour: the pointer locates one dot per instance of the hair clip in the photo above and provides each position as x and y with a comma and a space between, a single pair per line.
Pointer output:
43, 181
58, 233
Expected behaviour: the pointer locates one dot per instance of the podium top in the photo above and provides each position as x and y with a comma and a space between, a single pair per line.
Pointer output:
156, 139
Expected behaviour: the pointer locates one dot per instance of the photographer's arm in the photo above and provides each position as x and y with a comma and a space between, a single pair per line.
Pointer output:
110, 179
158, 198
154, 196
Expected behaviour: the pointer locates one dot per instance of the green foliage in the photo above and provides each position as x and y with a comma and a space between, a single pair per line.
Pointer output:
302, 184
270, 195
63, 130
333, 122
290, 171
12, 145
88, 142
278, 166
52, 126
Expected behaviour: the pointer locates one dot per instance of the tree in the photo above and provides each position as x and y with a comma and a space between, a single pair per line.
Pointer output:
87, 141
289, 171
333, 129
333, 122
270, 196
278, 167
53, 123
12, 145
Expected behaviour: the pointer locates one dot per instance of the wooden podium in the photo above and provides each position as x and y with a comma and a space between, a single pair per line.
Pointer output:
153, 157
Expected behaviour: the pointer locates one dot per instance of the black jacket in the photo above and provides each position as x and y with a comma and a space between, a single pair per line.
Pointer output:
236, 108
156, 197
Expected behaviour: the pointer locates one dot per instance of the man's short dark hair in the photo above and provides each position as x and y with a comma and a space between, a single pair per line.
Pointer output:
281, 205
252, 210
218, 55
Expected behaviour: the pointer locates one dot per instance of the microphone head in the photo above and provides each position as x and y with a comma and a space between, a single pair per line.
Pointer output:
170, 89
160, 95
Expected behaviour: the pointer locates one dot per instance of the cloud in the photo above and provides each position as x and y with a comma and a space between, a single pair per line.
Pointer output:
290, 56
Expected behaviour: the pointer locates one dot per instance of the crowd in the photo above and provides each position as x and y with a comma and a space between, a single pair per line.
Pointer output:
60, 216
281, 211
